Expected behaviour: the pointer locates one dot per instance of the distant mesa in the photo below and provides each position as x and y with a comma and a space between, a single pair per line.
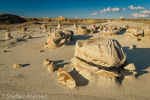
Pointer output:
61, 18
11, 19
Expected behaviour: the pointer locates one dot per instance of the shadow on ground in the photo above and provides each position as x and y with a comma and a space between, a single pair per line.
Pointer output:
140, 57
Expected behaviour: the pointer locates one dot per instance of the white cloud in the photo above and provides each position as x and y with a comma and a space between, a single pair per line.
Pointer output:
139, 15
145, 12
115, 9
139, 7
120, 17
105, 10
123, 9
94, 14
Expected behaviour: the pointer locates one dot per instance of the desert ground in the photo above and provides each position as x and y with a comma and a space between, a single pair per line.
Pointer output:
33, 77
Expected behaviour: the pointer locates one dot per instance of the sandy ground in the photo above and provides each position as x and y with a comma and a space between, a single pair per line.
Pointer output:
34, 78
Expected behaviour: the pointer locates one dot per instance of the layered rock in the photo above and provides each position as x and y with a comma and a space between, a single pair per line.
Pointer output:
103, 57
82, 30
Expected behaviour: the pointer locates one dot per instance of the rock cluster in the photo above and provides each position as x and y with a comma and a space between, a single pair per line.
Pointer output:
52, 66
82, 30
109, 29
59, 38
104, 57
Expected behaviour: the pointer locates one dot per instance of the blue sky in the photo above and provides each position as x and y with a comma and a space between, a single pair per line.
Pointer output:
77, 8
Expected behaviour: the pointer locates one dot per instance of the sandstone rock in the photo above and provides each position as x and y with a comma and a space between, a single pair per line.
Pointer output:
132, 47
109, 32
62, 42
43, 26
130, 67
75, 25
56, 36
8, 36
24, 29
51, 44
17, 66
45, 31
52, 66
134, 31
46, 62
59, 25
110, 73
49, 31
100, 52
82, 30
66, 78
94, 27
125, 27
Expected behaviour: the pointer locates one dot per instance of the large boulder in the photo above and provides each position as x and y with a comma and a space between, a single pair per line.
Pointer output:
101, 52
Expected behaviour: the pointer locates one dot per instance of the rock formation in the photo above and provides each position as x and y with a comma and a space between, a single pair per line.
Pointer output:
134, 31
65, 78
49, 31
8, 36
59, 25
43, 26
59, 38
46, 62
104, 57
82, 30
75, 25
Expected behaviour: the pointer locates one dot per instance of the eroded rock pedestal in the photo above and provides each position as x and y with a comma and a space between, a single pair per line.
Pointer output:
104, 57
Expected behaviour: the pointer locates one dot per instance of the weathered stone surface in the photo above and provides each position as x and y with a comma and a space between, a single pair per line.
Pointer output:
110, 32
110, 73
52, 66
17, 66
8, 36
125, 27
51, 44
134, 31
130, 67
65, 78
101, 52
46, 62
82, 30
56, 36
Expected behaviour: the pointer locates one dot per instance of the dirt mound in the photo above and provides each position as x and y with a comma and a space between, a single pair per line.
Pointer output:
11, 19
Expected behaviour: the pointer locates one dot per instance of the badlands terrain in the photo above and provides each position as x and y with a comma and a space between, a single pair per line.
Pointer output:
34, 78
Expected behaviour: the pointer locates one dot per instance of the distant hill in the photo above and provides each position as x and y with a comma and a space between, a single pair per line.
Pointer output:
11, 19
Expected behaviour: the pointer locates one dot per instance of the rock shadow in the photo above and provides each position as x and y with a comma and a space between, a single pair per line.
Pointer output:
122, 32
24, 65
140, 57
39, 37
79, 37
80, 80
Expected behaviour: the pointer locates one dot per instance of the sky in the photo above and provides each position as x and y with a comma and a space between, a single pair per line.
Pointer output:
77, 8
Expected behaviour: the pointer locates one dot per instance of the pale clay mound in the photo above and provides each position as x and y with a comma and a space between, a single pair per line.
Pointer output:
33, 78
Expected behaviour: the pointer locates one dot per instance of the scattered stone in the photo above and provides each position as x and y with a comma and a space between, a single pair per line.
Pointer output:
46, 62
27, 36
52, 66
65, 78
41, 50
130, 67
132, 47
17, 66
24, 29
4, 51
